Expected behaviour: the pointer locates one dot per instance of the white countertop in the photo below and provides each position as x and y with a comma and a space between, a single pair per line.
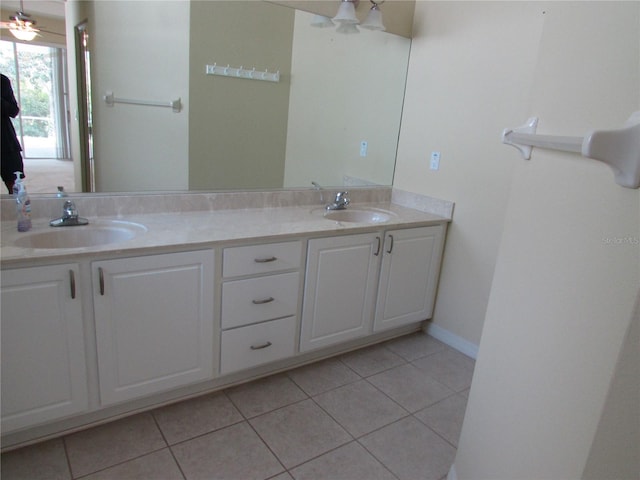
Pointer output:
197, 229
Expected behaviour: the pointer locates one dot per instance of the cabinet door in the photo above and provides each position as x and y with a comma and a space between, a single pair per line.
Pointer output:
43, 357
409, 276
154, 323
340, 289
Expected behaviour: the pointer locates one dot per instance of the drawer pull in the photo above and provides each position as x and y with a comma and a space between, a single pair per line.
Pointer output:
260, 347
378, 248
263, 301
265, 260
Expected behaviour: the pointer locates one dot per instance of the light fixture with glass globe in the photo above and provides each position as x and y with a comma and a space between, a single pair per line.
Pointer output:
347, 13
374, 17
346, 20
22, 27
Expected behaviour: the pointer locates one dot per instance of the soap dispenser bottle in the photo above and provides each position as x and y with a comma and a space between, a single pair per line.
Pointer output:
23, 204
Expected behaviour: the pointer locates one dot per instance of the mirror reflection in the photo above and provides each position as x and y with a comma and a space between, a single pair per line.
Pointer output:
332, 118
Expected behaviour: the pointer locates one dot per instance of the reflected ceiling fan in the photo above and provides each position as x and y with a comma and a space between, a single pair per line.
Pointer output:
23, 27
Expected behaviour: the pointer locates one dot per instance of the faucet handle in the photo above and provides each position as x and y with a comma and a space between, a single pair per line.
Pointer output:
342, 197
70, 209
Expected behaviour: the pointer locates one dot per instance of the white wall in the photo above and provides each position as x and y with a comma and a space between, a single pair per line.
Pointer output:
563, 236
154, 140
470, 75
619, 427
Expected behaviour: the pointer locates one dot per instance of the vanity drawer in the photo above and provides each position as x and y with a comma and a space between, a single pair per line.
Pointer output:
257, 344
256, 259
258, 299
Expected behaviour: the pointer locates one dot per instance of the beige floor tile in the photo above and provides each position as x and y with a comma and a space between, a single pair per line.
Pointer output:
299, 432
349, 462
372, 360
323, 376
414, 346
449, 367
197, 416
265, 395
113, 443
314, 437
234, 452
157, 465
410, 387
360, 407
445, 417
43, 461
411, 450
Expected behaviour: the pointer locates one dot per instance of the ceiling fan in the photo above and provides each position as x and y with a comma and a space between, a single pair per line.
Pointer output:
23, 27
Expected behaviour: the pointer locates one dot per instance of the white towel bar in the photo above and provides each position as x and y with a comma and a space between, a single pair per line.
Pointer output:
110, 99
620, 148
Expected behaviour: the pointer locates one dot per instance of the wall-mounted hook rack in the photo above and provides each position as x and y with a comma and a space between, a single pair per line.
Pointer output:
620, 148
242, 72
110, 99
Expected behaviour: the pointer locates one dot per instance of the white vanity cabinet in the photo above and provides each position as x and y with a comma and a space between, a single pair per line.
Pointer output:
260, 298
43, 354
340, 289
154, 323
408, 276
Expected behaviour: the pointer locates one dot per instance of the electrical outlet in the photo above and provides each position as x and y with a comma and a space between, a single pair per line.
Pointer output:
435, 161
363, 148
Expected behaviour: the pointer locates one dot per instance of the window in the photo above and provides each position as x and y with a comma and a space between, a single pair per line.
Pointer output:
39, 79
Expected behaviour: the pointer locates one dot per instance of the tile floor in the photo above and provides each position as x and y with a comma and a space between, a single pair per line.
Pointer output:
391, 411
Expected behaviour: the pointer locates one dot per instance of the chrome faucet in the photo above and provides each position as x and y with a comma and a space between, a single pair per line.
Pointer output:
69, 217
319, 188
341, 201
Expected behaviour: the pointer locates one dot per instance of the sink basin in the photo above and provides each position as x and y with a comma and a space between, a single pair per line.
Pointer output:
359, 215
91, 235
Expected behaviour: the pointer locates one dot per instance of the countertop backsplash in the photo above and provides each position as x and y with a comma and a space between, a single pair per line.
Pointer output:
115, 205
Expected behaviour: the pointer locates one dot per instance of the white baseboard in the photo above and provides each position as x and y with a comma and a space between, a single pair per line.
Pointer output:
453, 340
452, 473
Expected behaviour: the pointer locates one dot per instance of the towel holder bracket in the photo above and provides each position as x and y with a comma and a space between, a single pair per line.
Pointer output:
619, 148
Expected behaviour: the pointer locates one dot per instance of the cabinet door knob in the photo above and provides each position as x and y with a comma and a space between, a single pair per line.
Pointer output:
378, 247
263, 301
260, 347
265, 260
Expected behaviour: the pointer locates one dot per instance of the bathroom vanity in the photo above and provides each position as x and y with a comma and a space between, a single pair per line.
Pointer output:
200, 300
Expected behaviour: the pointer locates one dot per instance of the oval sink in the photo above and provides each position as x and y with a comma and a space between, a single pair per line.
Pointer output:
82, 236
357, 215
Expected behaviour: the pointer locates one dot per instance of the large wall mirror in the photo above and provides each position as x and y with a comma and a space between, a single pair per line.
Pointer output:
332, 118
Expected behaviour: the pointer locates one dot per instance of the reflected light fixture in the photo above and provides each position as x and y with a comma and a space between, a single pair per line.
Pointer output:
320, 21
346, 19
374, 17
21, 26
347, 28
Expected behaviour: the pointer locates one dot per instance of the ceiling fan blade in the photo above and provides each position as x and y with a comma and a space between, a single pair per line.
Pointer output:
51, 32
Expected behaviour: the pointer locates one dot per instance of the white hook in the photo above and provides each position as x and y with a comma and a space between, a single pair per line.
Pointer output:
226, 70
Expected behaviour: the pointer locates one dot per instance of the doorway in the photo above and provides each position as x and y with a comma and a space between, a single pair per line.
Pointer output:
39, 78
